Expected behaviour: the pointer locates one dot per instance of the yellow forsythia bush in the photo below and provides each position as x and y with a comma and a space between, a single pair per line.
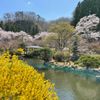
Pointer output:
19, 81
20, 51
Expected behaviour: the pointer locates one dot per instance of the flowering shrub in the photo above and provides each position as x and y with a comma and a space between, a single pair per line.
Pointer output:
19, 81
20, 51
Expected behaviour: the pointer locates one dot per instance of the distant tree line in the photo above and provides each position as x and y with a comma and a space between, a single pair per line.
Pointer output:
23, 21
85, 8
61, 19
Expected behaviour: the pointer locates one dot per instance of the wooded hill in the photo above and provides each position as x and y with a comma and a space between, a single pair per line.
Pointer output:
29, 22
85, 8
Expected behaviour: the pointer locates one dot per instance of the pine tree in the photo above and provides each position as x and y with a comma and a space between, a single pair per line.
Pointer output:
85, 8
75, 52
76, 14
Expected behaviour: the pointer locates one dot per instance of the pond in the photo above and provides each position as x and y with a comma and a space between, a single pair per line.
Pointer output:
70, 86
73, 87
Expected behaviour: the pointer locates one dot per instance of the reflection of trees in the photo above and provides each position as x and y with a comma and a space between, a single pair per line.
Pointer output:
59, 78
82, 88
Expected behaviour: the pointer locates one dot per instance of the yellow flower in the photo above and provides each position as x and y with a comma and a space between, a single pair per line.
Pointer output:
20, 50
19, 81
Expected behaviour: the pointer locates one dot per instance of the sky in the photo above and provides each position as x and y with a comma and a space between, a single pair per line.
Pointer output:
48, 9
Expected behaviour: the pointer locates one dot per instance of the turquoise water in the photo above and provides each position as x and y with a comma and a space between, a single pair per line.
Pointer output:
71, 84
73, 87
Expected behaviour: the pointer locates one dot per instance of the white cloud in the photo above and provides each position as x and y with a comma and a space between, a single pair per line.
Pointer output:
29, 2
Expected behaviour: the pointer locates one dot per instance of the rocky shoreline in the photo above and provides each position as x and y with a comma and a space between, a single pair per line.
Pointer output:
72, 66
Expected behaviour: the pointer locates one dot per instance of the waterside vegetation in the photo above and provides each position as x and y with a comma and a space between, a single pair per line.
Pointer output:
19, 81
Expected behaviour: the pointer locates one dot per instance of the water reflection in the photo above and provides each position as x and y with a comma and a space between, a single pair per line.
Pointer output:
73, 87
70, 86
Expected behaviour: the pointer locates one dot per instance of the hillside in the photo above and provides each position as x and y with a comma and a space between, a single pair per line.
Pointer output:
9, 40
29, 22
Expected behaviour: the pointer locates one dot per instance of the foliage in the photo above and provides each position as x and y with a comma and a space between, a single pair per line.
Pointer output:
75, 49
19, 81
85, 8
20, 51
95, 47
63, 31
43, 53
46, 54
61, 19
33, 53
23, 21
1, 50
51, 40
61, 56
22, 45
89, 61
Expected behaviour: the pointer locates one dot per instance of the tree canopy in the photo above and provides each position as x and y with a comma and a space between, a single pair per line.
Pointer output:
89, 61
62, 32
85, 8
23, 21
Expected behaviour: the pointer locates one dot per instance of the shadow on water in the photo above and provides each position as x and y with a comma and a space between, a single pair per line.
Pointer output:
71, 85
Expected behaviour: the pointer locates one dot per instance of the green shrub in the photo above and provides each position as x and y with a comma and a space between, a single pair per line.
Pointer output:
89, 61
1, 49
61, 56
33, 54
74, 48
44, 54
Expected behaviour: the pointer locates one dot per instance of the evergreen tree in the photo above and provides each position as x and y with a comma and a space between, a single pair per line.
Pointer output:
76, 14
75, 52
23, 21
1, 24
85, 8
